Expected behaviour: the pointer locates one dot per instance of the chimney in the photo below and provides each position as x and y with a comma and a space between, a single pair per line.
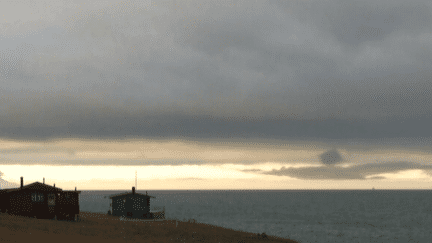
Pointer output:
44, 180
133, 190
75, 188
22, 182
54, 184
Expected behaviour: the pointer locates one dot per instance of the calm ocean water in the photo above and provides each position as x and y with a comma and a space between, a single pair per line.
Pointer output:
305, 216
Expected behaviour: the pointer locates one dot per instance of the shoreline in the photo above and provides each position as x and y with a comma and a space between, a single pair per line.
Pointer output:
97, 226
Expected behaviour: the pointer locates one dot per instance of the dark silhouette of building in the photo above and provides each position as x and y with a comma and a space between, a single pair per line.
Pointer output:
131, 204
40, 200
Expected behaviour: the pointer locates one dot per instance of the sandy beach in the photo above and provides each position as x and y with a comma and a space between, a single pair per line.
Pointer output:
94, 227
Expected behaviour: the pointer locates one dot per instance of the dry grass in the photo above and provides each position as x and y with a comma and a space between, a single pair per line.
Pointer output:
95, 227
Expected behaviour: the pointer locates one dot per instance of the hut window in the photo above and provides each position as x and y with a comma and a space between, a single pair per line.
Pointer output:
51, 199
37, 197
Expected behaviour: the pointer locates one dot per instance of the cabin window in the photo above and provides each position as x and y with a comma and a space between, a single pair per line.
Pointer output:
51, 199
37, 197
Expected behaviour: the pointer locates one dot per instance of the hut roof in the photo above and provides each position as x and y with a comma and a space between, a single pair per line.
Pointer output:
129, 193
35, 186
7, 190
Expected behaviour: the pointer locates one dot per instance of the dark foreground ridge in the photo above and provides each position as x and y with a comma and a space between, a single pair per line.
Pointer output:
94, 227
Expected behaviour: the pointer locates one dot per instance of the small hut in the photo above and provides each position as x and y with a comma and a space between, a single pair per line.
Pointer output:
67, 206
40, 200
131, 204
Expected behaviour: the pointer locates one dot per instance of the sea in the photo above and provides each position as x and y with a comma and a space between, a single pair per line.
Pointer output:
303, 215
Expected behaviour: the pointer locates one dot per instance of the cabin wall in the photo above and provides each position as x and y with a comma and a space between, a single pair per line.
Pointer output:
67, 203
131, 206
21, 203
116, 207
141, 206
76, 203
4, 203
128, 206
39, 208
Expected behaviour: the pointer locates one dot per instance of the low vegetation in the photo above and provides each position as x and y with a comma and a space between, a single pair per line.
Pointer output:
94, 227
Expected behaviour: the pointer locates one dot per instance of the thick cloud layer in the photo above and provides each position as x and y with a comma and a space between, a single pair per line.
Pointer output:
201, 69
359, 172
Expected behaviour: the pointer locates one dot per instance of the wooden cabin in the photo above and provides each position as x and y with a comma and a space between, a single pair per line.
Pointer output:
131, 204
67, 205
40, 200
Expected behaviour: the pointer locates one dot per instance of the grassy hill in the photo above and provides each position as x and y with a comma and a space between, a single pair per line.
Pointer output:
94, 227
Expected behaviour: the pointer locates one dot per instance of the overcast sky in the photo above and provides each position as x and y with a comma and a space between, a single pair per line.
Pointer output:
254, 92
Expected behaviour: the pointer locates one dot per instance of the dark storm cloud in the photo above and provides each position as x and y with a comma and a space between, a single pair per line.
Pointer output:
251, 170
376, 178
276, 69
330, 157
359, 172
7, 160
356, 21
181, 126
35, 149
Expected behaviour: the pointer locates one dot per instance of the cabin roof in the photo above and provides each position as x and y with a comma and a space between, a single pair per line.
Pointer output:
129, 193
35, 186
7, 190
